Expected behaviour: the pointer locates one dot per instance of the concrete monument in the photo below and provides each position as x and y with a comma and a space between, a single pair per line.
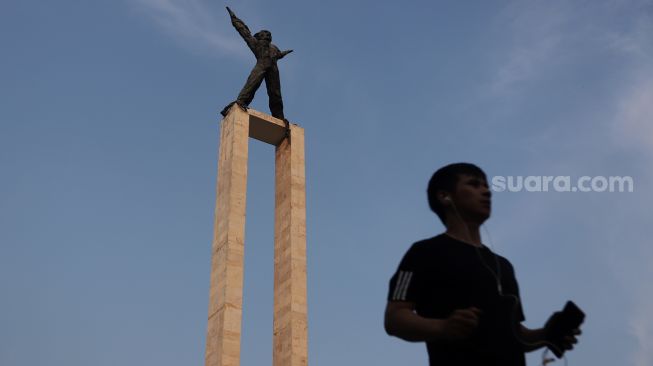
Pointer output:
290, 329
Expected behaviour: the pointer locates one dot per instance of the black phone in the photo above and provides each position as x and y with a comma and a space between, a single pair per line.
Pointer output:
573, 317
570, 318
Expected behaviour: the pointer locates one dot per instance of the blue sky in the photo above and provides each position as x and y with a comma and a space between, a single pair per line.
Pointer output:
109, 138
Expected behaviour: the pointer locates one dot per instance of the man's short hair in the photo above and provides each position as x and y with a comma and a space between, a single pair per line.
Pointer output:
445, 179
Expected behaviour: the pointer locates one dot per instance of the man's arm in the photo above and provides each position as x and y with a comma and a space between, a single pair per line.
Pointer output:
402, 321
242, 29
534, 339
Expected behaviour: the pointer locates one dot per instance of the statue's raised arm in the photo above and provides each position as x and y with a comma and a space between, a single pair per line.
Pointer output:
242, 29
267, 55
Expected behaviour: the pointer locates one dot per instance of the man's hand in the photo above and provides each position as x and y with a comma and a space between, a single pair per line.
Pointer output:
566, 340
461, 324
569, 340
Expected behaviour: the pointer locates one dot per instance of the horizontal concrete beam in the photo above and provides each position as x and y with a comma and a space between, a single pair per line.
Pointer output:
266, 128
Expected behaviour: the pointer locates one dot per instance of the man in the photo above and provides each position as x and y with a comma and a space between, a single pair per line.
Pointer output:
456, 295
266, 68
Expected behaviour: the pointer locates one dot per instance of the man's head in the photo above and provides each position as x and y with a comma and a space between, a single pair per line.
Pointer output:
460, 189
263, 35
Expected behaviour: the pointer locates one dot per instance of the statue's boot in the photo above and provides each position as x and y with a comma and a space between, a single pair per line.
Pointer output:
285, 120
225, 111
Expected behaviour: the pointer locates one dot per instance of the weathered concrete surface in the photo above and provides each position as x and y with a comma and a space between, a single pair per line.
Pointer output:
290, 338
226, 291
266, 128
290, 307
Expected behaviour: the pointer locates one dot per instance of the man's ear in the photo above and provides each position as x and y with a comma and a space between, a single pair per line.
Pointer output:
444, 198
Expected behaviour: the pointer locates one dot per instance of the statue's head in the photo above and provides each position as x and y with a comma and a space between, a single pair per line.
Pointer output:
264, 35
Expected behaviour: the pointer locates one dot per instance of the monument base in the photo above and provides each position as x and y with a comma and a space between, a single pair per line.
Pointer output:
290, 329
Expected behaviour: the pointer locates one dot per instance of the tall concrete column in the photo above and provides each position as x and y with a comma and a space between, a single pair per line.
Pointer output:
226, 291
290, 337
290, 308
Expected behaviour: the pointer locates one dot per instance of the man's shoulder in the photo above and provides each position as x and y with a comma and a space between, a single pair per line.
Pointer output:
433, 244
438, 240
425, 253
505, 262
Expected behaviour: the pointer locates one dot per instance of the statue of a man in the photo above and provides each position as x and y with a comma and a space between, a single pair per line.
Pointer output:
267, 55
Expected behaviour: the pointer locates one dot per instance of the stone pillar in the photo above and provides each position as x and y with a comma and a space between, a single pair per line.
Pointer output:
290, 308
225, 296
226, 291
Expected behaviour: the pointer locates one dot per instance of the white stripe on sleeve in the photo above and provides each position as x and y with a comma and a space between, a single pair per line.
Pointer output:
405, 287
398, 285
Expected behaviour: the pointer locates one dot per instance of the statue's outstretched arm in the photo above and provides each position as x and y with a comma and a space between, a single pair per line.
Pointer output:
282, 54
242, 29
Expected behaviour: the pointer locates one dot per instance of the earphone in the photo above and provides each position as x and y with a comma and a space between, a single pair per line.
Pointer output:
497, 274
497, 277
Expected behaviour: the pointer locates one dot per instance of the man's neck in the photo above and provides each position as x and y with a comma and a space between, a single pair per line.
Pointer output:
465, 232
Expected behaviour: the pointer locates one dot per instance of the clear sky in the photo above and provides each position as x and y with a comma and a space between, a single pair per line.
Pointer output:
109, 138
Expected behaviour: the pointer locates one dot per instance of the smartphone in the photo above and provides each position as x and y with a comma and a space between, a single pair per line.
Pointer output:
571, 318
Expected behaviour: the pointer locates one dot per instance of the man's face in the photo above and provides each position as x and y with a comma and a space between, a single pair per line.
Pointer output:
472, 198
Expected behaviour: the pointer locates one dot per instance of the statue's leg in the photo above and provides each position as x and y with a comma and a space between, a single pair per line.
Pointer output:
253, 82
273, 85
246, 94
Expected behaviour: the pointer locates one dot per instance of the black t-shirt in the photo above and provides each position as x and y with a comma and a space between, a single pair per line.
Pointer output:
443, 274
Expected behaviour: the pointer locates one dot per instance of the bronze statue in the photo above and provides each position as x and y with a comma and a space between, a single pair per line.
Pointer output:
267, 55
